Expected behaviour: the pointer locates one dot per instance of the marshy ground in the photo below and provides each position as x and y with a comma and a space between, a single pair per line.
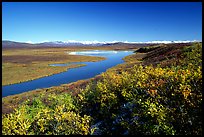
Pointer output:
24, 64
20, 65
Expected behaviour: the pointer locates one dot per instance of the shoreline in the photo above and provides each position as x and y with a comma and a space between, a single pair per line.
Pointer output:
43, 65
77, 66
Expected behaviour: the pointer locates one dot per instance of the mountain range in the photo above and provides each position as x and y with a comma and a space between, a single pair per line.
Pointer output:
13, 44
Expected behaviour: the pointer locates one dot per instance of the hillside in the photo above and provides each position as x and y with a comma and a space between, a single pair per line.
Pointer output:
158, 91
13, 44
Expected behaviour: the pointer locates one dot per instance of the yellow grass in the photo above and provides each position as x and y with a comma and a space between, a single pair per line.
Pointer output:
20, 65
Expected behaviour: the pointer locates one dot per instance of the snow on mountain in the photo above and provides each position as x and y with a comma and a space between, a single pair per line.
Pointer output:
73, 42
6, 43
97, 43
163, 41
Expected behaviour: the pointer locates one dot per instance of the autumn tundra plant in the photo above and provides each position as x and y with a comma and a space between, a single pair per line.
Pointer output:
56, 117
144, 100
149, 100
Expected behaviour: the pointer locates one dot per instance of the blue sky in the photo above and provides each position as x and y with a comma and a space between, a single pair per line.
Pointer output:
101, 21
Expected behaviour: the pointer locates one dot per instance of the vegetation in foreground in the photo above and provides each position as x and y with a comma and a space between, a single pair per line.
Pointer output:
146, 99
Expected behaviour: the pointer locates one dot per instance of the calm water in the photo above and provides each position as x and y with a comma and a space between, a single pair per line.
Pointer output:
90, 70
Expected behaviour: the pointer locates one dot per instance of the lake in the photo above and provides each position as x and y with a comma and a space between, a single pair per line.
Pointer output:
71, 75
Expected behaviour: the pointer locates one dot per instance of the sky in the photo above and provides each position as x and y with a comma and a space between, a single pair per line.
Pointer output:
101, 21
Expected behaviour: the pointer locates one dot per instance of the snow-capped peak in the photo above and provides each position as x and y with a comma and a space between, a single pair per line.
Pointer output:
95, 42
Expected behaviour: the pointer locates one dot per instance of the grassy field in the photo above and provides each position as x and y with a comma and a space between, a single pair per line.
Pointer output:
20, 65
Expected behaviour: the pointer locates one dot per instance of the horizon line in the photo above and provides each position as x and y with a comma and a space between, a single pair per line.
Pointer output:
107, 42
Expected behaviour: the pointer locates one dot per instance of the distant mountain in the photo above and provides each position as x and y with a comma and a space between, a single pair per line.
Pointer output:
128, 44
97, 43
61, 43
13, 44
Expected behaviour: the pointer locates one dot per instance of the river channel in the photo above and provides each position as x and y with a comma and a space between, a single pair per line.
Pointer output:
71, 75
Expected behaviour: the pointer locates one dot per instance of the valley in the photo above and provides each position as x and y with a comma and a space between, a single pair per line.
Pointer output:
150, 75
